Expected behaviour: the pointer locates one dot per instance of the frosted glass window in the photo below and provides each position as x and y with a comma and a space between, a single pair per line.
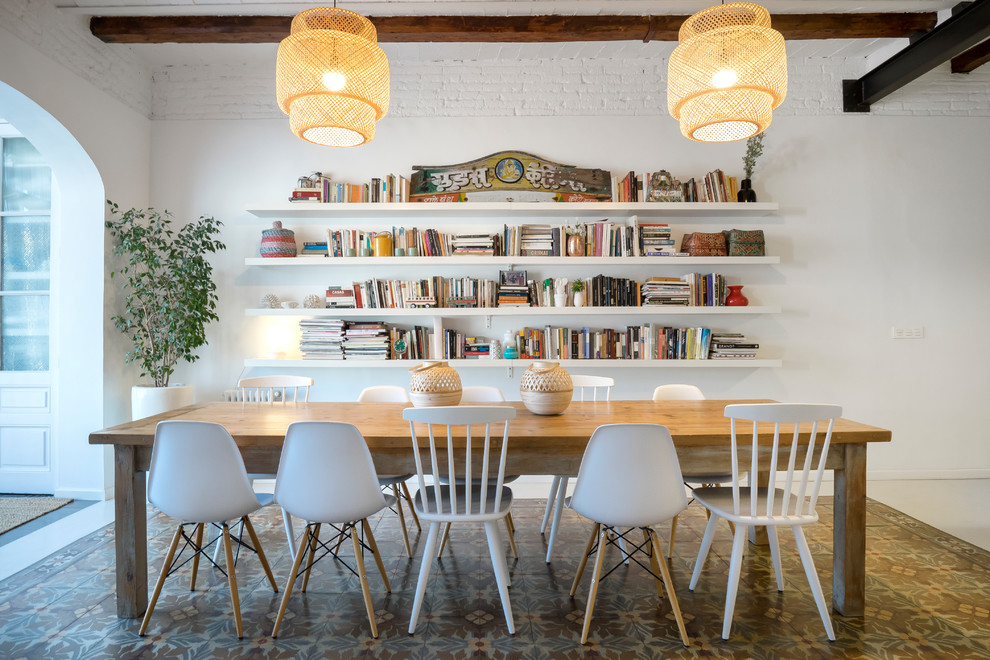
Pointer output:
27, 179
25, 256
24, 253
24, 320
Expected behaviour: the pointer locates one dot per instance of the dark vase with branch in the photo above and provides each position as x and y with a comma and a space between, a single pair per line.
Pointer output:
169, 293
754, 149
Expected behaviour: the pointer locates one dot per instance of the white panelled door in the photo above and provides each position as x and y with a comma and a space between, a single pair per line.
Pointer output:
26, 413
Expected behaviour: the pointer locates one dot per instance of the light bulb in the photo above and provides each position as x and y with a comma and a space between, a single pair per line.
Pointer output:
334, 81
725, 78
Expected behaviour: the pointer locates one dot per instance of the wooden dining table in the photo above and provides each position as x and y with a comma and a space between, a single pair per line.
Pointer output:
538, 445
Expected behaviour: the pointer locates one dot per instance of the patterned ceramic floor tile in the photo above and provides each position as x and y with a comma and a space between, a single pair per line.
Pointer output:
927, 595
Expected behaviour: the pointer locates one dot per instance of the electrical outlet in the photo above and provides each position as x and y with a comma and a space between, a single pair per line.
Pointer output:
907, 333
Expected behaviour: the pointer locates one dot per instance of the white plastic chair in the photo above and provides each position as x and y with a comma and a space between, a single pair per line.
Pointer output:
629, 478
482, 497
684, 392
473, 394
275, 389
793, 505
197, 476
394, 482
271, 389
326, 476
593, 386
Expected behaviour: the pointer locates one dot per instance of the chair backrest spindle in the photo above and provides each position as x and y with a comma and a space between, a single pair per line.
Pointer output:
806, 460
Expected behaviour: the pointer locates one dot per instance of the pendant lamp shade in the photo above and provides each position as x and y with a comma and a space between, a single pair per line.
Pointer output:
727, 74
331, 77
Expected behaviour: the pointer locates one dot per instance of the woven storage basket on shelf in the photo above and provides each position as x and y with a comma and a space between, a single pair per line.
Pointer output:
278, 242
546, 388
434, 384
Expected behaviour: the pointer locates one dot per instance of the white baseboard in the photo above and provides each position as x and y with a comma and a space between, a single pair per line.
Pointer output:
912, 475
85, 494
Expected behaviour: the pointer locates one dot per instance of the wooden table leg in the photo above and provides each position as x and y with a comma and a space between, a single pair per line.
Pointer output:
130, 534
849, 533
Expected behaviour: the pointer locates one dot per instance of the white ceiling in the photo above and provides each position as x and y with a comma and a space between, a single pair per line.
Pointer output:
194, 54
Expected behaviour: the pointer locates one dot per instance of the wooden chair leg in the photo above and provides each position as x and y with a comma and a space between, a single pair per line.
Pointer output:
443, 540
510, 529
665, 572
673, 534
232, 581
584, 559
313, 545
402, 519
292, 579
261, 552
374, 550
412, 507
596, 577
161, 579
363, 577
654, 560
195, 564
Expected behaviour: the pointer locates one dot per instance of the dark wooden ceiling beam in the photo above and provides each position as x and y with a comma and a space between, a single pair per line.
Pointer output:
482, 29
973, 58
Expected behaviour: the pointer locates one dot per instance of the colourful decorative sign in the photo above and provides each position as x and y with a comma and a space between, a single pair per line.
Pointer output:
513, 176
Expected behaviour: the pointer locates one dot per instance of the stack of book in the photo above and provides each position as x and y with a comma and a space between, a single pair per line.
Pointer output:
539, 241
707, 290
655, 240
476, 347
732, 346
479, 244
366, 341
511, 295
321, 339
340, 297
306, 195
666, 291
313, 249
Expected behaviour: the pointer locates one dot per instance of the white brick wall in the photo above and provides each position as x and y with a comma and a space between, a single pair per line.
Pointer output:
66, 39
545, 87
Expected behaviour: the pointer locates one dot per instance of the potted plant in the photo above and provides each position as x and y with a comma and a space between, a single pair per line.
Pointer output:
169, 298
577, 286
754, 149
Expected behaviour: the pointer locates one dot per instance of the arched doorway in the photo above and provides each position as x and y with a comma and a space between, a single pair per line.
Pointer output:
76, 308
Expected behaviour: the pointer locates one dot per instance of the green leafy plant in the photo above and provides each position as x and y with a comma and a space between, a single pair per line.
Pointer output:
170, 296
754, 149
577, 285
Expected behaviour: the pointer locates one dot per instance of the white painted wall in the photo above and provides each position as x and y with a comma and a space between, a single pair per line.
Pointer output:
98, 147
881, 224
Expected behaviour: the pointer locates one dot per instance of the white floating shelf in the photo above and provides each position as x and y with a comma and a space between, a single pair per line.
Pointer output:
449, 312
583, 364
456, 210
465, 260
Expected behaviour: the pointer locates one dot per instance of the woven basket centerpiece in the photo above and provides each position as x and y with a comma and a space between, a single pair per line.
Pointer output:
434, 384
278, 242
546, 388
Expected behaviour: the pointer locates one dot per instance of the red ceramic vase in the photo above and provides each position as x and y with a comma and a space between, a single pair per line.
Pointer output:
735, 297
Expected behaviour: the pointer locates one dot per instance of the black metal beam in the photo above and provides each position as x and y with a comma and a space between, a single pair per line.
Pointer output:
965, 29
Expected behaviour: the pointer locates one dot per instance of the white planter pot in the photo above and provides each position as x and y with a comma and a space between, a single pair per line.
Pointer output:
579, 299
148, 401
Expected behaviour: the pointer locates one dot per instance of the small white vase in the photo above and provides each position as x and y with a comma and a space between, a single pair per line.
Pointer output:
147, 401
579, 298
560, 300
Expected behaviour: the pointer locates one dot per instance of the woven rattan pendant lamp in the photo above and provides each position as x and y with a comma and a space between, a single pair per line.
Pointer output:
727, 74
331, 77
